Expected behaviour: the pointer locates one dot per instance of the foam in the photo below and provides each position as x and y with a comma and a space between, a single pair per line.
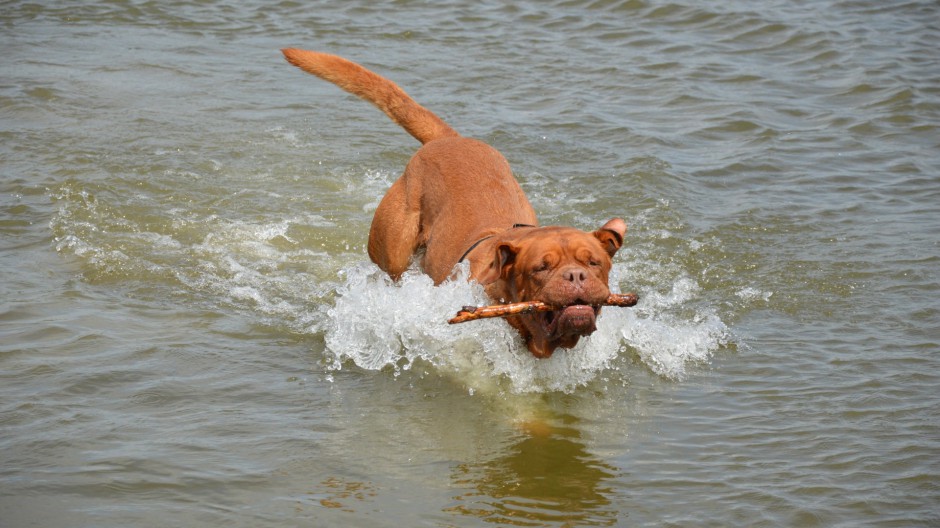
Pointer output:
263, 267
377, 324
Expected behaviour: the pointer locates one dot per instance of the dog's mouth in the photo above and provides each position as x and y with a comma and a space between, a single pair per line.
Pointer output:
574, 319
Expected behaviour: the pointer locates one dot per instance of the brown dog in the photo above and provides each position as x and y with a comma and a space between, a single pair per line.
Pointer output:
457, 200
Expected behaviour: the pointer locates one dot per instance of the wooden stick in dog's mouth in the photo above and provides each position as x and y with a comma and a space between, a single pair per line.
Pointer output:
472, 313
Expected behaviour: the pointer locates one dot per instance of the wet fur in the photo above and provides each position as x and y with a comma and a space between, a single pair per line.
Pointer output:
457, 198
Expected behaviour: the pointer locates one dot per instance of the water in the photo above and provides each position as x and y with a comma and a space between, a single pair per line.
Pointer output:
191, 333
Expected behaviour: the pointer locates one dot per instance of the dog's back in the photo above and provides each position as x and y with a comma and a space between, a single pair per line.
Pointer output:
453, 192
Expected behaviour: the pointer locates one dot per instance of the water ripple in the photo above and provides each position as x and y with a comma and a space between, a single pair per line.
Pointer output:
183, 220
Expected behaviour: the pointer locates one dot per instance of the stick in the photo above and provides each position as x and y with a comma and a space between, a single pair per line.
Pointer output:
472, 313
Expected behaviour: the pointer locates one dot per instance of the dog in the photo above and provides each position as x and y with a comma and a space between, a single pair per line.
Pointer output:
457, 200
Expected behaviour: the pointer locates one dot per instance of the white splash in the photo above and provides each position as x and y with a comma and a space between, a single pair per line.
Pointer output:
268, 267
377, 324
753, 294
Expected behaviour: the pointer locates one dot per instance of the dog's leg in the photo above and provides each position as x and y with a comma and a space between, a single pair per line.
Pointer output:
393, 237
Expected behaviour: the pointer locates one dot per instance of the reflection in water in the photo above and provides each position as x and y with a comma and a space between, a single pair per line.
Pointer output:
546, 478
337, 493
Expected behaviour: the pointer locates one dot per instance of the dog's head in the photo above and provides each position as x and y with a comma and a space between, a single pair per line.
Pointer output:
560, 266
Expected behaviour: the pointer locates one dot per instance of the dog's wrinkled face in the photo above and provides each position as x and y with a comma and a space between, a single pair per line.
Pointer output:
560, 266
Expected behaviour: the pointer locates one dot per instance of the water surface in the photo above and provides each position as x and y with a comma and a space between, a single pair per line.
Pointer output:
191, 332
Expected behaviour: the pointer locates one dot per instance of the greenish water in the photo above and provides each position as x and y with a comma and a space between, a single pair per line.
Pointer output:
191, 333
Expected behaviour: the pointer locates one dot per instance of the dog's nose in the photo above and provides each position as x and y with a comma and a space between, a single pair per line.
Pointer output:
576, 276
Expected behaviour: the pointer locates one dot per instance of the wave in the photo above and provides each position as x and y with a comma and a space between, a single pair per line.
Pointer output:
377, 324
269, 268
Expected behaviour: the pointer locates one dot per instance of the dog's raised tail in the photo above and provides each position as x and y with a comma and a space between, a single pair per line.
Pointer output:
383, 93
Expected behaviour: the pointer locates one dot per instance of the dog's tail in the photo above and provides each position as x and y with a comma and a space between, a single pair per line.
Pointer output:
383, 93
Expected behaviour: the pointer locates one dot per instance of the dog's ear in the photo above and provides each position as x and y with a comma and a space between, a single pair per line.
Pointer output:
504, 256
611, 235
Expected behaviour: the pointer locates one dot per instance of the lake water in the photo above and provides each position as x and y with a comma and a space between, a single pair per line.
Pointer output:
191, 333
